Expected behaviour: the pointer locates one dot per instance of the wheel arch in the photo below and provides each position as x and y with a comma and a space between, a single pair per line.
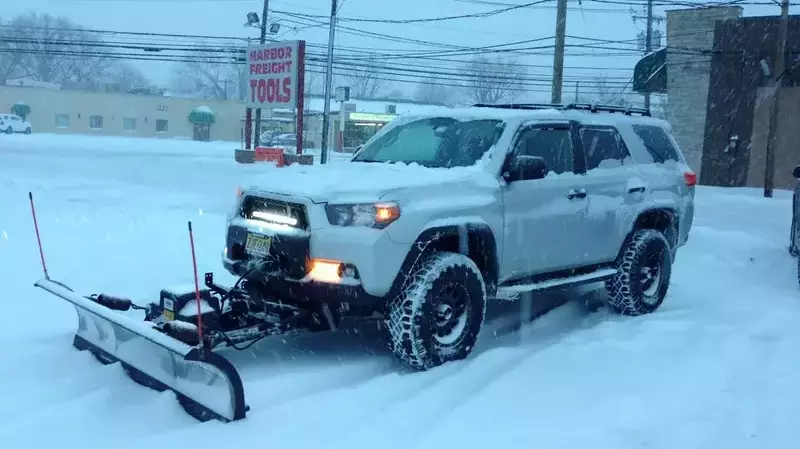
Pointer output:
661, 219
474, 240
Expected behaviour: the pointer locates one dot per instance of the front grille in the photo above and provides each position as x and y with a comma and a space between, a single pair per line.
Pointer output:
252, 205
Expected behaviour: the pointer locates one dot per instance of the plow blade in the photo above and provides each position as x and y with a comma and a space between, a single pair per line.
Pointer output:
206, 384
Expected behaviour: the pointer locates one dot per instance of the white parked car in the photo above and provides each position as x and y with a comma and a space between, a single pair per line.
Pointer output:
12, 123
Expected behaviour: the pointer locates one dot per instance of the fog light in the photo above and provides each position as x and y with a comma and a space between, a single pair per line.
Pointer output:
325, 271
348, 271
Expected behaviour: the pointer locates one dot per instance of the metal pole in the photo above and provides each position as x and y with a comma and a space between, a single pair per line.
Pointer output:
342, 117
780, 67
262, 40
326, 120
648, 37
558, 55
577, 85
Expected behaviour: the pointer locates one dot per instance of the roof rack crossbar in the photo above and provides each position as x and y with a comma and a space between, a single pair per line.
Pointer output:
570, 106
608, 108
520, 106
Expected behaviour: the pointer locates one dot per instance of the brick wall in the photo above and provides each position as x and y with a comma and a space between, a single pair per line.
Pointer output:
689, 30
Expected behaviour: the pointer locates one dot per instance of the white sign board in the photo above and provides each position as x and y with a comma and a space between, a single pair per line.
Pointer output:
272, 75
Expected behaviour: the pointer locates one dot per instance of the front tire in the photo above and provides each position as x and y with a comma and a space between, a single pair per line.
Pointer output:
27, 130
643, 274
438, 315
9, 130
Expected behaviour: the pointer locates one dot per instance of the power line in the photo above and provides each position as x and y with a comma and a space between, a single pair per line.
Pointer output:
428, 20
408, 77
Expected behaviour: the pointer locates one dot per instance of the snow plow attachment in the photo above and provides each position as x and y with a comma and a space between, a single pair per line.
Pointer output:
206, 384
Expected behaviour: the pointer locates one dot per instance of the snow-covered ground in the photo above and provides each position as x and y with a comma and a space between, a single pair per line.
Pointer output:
716, 366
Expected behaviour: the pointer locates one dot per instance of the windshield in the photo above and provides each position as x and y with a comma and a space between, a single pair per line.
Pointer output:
441, 142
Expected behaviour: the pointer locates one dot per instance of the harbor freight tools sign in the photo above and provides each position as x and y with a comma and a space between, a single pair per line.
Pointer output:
273, 74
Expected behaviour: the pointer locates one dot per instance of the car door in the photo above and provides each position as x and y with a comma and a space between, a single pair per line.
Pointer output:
544, 217
613, 188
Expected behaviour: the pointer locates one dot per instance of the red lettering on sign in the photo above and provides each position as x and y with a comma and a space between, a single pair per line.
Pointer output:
262, 91
287, 89
253, 84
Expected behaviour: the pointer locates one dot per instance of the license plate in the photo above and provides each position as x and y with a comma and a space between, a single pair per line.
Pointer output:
257, 244
169, 315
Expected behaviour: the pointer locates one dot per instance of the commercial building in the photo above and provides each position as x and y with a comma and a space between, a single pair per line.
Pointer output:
718, 94
151, 114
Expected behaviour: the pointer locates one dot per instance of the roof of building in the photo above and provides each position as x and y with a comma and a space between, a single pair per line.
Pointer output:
317, 104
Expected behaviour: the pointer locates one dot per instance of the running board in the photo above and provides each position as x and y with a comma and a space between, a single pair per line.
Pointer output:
513, 291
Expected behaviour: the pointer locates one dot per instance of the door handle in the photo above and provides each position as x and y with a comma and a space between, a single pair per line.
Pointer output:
579, 193
639, 189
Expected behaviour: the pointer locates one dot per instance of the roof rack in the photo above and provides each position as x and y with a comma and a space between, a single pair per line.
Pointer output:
520, 106
571, 106
608, 108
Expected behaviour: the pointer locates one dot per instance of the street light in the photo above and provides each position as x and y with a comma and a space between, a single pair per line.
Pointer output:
252, 20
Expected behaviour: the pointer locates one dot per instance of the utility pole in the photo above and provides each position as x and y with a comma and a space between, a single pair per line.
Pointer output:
326, 120
780, 68
648, 37
558, 55
262, 40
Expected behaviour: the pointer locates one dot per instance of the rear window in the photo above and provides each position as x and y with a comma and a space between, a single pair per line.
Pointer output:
657, 143
602, 147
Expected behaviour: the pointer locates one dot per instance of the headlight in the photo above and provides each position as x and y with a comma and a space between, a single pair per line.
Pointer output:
372, 215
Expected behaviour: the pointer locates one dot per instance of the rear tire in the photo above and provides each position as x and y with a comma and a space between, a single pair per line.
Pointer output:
27, 130
438, 315
643, 274
9, 130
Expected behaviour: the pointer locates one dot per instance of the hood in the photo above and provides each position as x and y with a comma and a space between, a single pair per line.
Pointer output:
355, 181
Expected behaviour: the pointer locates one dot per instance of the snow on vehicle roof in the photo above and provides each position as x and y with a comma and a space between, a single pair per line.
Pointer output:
482, 113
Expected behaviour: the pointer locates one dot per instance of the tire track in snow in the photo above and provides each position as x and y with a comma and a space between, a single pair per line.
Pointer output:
451, 385
86, 408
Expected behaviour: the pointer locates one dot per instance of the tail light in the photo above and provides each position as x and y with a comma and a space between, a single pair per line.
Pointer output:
690, 178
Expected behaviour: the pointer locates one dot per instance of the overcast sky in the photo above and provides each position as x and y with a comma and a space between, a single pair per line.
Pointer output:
593, 19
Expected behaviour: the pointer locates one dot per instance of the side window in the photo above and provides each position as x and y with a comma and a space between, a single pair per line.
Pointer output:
657, 143
603, 147
552, 145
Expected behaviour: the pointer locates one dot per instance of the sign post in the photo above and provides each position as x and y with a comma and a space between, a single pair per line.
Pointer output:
275, 75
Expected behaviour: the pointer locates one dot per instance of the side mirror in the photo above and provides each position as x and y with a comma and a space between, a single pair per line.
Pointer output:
796, 172
526, 168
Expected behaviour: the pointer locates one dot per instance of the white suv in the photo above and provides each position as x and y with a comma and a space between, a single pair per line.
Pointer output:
11, 123
437, 214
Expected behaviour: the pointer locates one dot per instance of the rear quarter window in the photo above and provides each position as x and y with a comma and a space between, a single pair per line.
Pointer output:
657, 143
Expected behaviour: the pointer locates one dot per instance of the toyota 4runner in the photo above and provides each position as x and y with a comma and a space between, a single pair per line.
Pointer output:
439, 213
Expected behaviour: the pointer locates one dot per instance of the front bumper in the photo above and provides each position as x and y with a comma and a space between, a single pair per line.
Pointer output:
375, 258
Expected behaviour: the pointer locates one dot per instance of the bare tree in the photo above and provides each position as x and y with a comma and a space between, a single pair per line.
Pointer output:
604, 93
10, 58
491, 80
432, 91
364, 81
207, 78
127, 76
55, 49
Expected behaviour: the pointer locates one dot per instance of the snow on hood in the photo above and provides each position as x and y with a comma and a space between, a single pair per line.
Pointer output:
356, 181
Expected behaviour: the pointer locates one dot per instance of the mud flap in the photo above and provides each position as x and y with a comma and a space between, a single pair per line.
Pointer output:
207, 384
